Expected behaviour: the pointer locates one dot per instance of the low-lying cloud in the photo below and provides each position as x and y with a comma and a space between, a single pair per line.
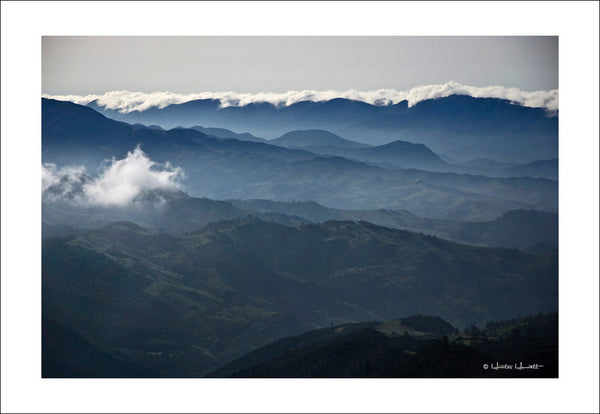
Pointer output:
125, 101
61, 179
118, 183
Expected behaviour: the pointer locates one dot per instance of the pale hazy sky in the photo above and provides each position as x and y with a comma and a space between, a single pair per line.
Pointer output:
83, 65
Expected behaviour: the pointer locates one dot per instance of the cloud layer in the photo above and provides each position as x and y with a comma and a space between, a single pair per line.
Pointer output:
125, 101
118, 183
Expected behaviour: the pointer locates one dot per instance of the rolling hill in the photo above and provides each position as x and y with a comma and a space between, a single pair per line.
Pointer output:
177, 212
516, 229
156, 210
185, 305
370, 349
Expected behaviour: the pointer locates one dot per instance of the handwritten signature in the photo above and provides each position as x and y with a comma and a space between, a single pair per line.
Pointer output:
496, 366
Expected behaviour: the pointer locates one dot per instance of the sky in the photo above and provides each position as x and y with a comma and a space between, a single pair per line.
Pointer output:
95, 65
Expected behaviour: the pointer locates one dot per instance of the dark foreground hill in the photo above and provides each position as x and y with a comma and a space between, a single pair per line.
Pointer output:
67, 355
375, 349
185, 305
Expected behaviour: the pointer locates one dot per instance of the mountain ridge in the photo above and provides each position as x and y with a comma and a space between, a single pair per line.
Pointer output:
458, 125
315, 138
228, 168
399, 153
367, 350
235, 285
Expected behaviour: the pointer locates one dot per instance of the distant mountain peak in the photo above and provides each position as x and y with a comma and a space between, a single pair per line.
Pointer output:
403, 144
306, 138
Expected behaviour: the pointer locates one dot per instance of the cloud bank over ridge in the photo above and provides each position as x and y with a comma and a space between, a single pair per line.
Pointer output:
118, 183
125, 101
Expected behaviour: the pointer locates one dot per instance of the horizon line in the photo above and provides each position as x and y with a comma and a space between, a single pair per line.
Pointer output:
125, 101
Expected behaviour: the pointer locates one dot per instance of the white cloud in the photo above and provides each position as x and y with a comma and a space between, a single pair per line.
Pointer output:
62, 180
125, 101
537, 99
118, 183
49, 176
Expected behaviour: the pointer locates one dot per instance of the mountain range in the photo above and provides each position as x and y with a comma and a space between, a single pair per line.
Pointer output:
397, 153
185, 305
462, 127
321, 239
176, 212
517, 228
229, 168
